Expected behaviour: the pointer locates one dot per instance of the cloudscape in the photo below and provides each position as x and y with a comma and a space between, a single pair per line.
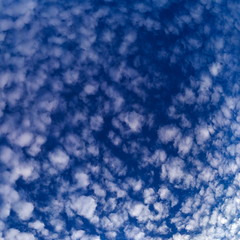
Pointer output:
119, 120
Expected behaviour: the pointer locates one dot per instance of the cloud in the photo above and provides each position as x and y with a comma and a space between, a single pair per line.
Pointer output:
134, 233
84, 206
59, 159
24, 139
133, 120
168, 133
14, 234
82, 179
24, 209
38, 225
202, 134
139, 211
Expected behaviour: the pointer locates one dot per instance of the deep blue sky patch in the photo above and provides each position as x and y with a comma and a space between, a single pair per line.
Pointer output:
119, 120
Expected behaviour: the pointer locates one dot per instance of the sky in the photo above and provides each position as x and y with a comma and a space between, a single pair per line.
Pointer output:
119, 120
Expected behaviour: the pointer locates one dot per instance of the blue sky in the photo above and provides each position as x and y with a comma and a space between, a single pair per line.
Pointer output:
119, 120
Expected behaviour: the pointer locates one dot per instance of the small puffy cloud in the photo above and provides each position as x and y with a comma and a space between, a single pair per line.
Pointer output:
84, 206
77, 234
14, 234
96, 123
26, 170
91, 89
111, 235
35, 147
23, 209
149, 195
168, 133
98, 190
59, 159
37, 225
8, 197
58, 224
164, 193
136, 209
134, 233
215, 69
202, 134
136, 185
185, 144
24, 139
139, 211
173, 170
180, 237
82, 179
207, 174
6, 155
134, 121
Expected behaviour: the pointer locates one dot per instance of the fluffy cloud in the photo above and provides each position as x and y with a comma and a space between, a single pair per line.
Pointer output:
14, 234
84, 206
59, 159
23, 209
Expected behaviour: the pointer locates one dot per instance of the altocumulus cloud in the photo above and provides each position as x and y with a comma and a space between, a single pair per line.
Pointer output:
119, 120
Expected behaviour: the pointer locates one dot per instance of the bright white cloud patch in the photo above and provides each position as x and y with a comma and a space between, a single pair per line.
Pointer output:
24, 139
14, 234
23, 209
82, 179
134, 121
84, 206
168, 133
59, 159
38, 225
202, 134
215, 68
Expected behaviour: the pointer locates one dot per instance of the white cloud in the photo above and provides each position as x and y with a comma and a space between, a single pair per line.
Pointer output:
24, 139
59, 159
25, 170
134, 121
162, 210
134, 233
91, 89
35, 147
168, 133
215, 69
58, 224
203, 134
173, 170
185, 145
23, 209
111, 235
164, 193
37, 225
139, 211
84, 206
82, 179
14, 234
96, 122
149, 195
9, 197
7, 156
77, 234
181, 237
136, 185
98, 190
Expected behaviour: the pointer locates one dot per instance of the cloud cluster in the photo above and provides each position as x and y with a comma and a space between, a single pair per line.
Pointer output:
119, 120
